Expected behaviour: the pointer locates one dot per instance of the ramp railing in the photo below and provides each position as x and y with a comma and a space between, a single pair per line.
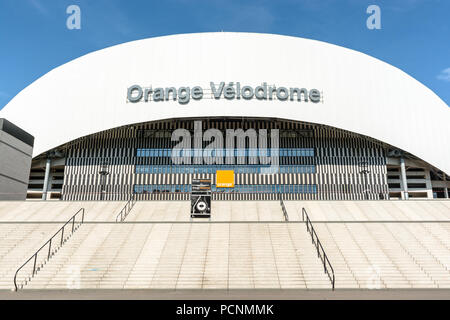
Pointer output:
328, 269
283, 208
41, 257
126, 209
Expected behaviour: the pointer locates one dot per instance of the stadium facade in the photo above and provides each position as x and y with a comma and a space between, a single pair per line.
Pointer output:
345, 126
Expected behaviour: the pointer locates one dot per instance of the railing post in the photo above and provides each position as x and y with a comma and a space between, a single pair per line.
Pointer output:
15, 282
73, 222
49, 248
333, 280
62, 235
318, 251
34, 265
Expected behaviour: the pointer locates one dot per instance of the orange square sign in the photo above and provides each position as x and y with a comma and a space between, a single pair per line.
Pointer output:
225, 178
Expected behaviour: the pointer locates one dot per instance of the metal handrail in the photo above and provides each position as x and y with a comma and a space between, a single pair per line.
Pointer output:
126, 209
49, 242
283, 208
319, 247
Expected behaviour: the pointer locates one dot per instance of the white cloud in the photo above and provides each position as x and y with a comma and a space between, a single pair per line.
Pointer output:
444, 75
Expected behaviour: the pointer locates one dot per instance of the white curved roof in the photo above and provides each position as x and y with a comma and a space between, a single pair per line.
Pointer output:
360, 93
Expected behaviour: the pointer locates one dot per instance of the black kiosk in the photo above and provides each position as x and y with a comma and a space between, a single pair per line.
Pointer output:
201, 198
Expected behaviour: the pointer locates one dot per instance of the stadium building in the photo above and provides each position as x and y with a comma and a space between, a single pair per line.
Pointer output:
341, 125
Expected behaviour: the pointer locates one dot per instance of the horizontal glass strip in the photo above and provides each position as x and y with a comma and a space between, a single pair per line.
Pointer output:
240, 188
186, 169
282, 152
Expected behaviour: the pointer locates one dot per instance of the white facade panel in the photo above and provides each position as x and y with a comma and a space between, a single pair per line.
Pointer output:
360, 93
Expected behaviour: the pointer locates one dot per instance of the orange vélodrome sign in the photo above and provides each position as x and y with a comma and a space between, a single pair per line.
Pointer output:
225, 178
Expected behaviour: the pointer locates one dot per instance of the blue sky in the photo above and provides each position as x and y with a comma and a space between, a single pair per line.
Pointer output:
415, 34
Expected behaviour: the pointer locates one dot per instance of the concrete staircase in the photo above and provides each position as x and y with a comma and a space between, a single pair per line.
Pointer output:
411, 210
246, 244
17, 243
221, 211
185, 255
57, 211
383, 244
388, 255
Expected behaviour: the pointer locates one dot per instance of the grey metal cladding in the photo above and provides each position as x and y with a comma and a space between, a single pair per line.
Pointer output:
16, 132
